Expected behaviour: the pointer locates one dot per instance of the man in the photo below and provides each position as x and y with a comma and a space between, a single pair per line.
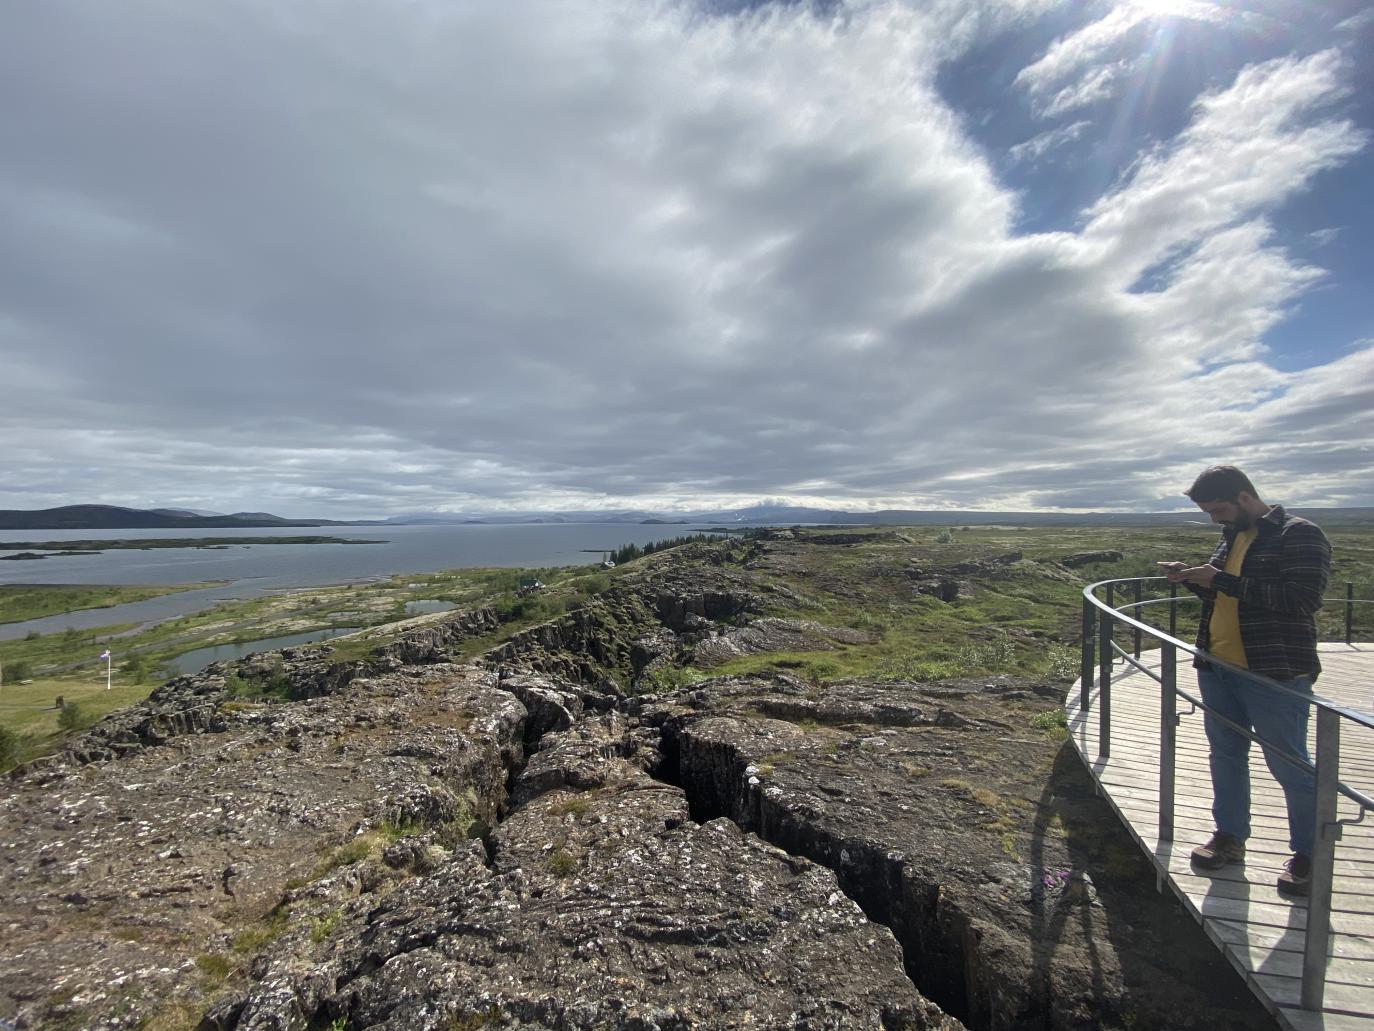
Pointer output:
1260, 592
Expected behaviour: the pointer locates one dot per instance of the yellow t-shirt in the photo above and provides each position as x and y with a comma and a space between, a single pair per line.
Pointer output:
1225, 626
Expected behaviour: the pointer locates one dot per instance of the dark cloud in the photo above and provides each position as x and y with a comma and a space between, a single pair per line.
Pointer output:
360, 257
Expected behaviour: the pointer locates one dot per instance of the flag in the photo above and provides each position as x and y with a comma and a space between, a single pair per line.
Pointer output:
105, 654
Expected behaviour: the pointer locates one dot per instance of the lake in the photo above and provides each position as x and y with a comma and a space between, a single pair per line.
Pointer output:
255, 569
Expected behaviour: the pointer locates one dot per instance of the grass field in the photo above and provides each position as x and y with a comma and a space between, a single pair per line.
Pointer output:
30, 709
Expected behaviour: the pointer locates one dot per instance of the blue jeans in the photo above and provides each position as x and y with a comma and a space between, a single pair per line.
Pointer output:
1277, 718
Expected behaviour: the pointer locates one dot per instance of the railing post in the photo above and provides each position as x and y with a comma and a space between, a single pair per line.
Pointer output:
1085, 668
1105, 624
1349, 609
1168, 736
1139, 594
1173, 610
1323, 859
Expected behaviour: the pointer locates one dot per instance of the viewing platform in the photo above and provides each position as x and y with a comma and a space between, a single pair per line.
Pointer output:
1261, 932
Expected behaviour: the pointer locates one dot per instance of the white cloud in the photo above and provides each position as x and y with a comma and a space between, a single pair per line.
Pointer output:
1098, 84
1357, 23
1224, 297
359, 257
1090, 63
1070, 55
1035, 148
1248, 148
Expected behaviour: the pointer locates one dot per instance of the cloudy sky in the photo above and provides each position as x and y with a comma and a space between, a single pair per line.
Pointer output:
364, 257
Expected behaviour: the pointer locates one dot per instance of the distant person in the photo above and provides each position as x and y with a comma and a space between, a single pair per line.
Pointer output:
1260, 592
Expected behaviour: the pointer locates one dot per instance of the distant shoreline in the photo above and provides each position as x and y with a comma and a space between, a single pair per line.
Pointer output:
27, 549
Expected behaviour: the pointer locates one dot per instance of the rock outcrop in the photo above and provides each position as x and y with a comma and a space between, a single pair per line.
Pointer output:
129, 888
520, 842
598, 903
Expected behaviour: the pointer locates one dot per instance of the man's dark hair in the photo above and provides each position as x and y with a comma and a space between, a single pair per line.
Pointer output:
1220, 483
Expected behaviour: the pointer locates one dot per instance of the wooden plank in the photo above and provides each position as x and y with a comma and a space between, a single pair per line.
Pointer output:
1352, 893
1304, 1020
1284, 963
1138, 725
1194, 764
1195, 824
1345, 946
1261, 932
1262, 890
1194, 784
1142, 731
1252, 912
1341, 998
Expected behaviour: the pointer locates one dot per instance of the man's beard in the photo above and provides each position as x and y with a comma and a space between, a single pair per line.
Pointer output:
1241, 522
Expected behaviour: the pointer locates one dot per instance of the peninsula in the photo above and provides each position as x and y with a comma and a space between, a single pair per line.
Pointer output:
92, 547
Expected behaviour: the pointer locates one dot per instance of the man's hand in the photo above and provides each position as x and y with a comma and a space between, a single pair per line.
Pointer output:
1179, 573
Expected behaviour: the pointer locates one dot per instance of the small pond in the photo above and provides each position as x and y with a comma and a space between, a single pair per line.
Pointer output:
195, 661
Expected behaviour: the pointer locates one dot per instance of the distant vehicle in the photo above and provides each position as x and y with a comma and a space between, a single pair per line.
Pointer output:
607, 564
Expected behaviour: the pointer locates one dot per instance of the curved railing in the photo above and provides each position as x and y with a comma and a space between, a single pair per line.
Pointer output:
1101, 618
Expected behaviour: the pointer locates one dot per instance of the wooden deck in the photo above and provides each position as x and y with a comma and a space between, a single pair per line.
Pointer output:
1259, 931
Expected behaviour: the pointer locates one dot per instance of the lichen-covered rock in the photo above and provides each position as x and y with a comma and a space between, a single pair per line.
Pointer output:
137, 884
191, 704
551, 707
602, 908
771, 634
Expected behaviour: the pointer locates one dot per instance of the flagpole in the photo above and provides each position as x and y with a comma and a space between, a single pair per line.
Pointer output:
109, 666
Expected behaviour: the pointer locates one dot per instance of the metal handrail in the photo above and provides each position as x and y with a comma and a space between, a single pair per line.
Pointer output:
1098, 637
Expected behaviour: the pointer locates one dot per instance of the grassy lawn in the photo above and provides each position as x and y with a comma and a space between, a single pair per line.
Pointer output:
30, 710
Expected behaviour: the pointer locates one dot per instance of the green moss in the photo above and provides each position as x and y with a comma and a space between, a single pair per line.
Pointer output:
1051, 719
323, 927
561, 864
173, 1016
473, 1021
272, 927
215, 965
577, 806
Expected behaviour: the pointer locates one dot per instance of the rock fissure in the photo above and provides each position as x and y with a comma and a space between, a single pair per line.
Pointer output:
720, 781
898, 799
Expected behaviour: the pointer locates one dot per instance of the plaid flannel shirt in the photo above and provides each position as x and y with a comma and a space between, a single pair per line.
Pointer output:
1279, 589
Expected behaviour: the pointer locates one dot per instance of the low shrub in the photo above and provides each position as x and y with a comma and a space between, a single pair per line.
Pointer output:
18, 671
10, 746
69, 716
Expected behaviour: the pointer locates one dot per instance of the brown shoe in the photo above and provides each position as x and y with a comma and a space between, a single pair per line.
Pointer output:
1221, 848
1296, 879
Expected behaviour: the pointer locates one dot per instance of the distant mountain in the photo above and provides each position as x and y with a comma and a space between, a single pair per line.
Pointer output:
184, 512
766, 513
456, 518
112, 517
